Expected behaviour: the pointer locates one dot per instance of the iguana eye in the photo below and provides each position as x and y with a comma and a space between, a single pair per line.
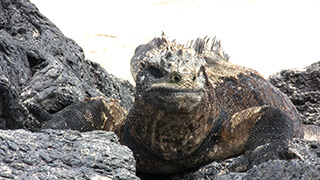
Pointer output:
175, 78
155, 72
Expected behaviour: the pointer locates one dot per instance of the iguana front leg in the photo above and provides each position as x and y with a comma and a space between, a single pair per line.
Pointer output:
89, 114
270, 136
262, 132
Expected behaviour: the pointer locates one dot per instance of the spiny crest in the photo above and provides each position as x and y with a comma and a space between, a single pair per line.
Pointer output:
165, 43
204, 45
209, 47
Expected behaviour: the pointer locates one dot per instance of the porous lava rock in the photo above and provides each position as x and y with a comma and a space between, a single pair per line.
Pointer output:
60, 154
39, 65
303, 88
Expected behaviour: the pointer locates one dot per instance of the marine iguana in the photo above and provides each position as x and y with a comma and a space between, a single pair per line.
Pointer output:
193, 107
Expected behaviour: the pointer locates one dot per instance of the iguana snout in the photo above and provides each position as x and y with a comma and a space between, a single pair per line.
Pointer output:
172, 80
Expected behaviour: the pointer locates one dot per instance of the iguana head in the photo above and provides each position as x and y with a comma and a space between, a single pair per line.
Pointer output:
173, 99
171, 76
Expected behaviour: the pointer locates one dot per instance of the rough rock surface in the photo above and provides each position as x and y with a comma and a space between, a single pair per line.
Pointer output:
305, 166
64, 155
39, 65
303, 88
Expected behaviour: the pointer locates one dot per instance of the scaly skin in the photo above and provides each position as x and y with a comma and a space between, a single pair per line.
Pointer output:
192, 107
87, 115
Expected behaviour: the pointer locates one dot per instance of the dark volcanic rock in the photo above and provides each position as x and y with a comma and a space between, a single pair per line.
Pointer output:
305, 166
303, 88
54, 154
12, 113
40, 65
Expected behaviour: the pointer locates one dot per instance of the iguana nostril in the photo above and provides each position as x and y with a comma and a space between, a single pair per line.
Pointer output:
175, 78
194, 77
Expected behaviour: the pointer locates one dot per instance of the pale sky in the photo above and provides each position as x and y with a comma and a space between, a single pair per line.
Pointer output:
266, 35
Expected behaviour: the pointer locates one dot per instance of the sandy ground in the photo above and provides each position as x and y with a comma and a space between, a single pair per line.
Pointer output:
265, 35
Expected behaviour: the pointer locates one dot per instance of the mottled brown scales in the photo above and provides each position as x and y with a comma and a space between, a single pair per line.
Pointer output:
193, 107
87, 115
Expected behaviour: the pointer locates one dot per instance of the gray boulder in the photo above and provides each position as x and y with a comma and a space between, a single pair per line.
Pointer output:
303, 88
54, 154
306, 165
39, 65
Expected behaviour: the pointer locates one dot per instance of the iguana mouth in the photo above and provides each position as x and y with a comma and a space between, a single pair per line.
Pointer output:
164, 90
183, 100
169, 94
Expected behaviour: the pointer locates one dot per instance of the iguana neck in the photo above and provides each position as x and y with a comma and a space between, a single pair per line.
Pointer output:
171, 135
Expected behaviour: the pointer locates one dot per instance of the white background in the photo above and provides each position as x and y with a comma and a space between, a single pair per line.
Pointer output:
266, 35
